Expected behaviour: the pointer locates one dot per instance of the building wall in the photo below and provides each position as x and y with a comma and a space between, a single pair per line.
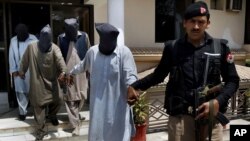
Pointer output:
100, 14
228, 25
140, 23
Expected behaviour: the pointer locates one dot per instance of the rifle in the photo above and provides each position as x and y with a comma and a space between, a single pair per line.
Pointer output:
200, 96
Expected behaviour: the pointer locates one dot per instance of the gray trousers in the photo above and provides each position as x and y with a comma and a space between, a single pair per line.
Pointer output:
40, 113
73, 108
22, 100
182, 128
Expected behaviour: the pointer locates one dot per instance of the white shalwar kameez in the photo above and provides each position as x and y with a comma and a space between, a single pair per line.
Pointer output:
110, 75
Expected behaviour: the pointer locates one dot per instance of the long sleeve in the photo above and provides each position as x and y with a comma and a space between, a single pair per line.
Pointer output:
129, 67
24, 64
159, 74
230, 77
61, 66
83, 65
13, 66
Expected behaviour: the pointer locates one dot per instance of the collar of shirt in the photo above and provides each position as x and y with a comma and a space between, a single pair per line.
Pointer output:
208, 40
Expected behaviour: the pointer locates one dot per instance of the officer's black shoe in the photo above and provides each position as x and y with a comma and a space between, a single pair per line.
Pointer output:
54, 120
22, 117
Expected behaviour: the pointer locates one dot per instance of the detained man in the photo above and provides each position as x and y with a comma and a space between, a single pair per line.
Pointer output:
18, 45
74, 96
46, 65
112, 69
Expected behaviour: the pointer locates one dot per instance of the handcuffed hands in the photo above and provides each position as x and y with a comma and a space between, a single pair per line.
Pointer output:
66, 79
133, 95
61, 78
69, 80
203, 109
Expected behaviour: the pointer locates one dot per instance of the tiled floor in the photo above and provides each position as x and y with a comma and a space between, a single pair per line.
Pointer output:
9, 120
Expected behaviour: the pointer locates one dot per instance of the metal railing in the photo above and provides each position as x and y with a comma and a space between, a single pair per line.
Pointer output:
238, 106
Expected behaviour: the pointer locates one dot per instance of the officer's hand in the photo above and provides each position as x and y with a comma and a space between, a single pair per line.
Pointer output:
203, 109
133, 95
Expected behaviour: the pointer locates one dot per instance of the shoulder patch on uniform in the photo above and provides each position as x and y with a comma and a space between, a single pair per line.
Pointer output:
230, 58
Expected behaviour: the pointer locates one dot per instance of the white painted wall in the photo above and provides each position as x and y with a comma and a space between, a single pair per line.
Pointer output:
139, 27
140, 23
228, 25
100, 14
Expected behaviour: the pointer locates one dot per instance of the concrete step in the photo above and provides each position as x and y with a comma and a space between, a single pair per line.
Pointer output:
12, 129
60, 135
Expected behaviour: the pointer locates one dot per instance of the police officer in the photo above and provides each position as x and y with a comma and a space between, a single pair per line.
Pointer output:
184, 60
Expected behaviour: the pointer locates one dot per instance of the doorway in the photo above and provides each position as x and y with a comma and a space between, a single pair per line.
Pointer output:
35, 16
45, 13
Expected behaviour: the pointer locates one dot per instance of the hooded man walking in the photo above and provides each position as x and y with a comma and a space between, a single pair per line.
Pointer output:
112, 69
18, 45
74, 45
45, 62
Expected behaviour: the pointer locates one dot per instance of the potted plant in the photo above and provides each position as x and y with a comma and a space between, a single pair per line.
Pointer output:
247, 62
140, 111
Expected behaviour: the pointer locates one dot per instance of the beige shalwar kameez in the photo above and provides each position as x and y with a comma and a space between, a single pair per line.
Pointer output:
77, 93
44, 71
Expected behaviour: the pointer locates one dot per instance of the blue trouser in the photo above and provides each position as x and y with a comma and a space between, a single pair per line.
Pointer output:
22, 99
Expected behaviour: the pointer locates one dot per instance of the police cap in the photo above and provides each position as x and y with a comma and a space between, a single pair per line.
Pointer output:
198, 8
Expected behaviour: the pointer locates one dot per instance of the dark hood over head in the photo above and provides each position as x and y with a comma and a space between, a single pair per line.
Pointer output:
45, 42
22, 32
71, 27
108, 38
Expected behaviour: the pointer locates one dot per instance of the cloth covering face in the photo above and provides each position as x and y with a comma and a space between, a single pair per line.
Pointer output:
110, 115
22, 32
45, 43
71, 28
108, 38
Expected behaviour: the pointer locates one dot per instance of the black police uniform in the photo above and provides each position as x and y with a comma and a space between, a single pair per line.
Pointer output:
186, 65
